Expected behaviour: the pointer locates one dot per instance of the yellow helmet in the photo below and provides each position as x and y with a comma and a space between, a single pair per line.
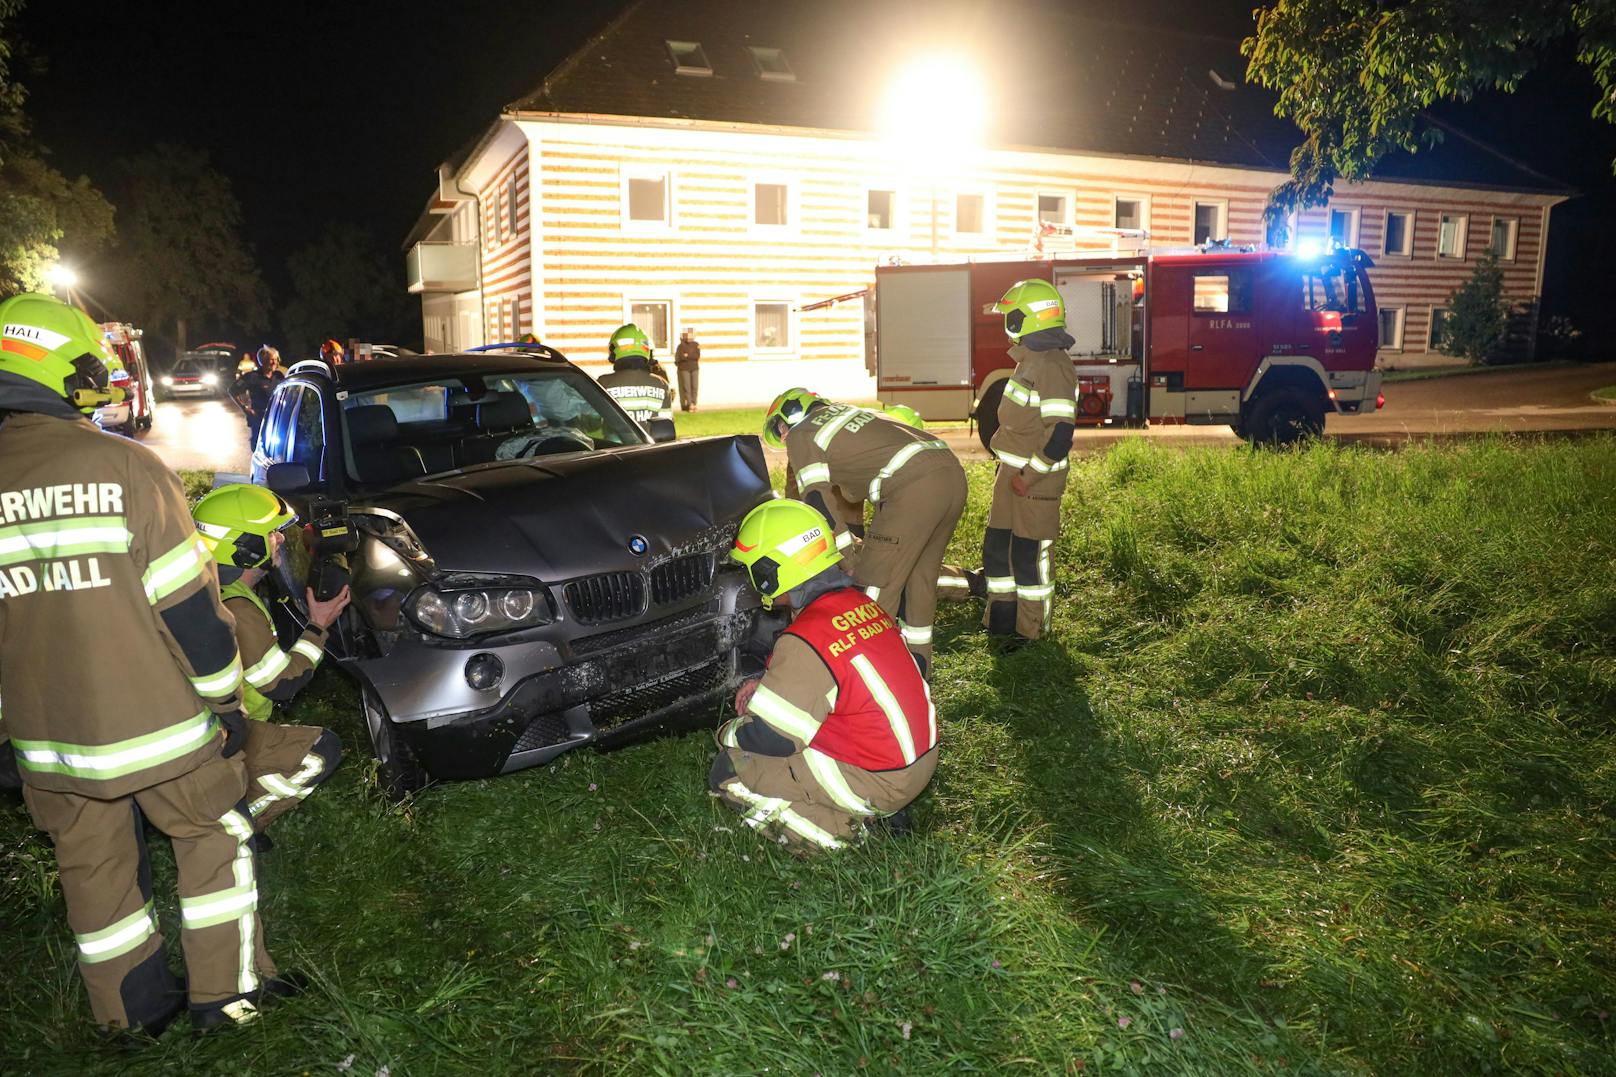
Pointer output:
903, 413
788, 409
782, 544
235, 521
1031, 305
46, 341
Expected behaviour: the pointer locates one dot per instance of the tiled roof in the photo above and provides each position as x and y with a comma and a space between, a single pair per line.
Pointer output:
1092, 86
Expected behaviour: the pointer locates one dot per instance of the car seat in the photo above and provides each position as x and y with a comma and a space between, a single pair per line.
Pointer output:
372, 440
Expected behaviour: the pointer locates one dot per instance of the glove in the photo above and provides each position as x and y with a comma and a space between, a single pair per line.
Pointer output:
235, 732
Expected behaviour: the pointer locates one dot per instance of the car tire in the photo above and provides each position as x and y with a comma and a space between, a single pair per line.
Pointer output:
398, 771
987, 413
1283, 418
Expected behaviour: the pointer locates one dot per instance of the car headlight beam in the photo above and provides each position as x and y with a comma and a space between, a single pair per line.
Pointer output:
462, 613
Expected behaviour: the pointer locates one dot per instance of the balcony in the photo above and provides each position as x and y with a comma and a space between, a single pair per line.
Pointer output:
441, 267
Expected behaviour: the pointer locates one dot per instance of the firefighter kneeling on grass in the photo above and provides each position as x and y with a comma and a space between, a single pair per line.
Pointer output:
242, 527
97, 545
840, 732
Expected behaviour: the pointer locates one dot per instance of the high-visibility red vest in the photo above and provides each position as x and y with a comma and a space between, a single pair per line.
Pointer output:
882, 718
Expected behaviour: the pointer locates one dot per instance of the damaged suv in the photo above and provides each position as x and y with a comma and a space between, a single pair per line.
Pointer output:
531, 572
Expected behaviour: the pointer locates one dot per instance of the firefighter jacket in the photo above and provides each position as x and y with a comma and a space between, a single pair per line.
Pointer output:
841, 685
270, 674
862, 455
115, 648
644, 395
1038, 408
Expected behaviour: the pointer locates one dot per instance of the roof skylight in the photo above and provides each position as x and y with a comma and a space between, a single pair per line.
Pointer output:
772, 63
689, 58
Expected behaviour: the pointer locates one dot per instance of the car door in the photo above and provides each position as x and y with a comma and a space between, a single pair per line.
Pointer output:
274, 438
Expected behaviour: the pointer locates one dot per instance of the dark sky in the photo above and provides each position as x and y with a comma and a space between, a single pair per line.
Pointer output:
339, 111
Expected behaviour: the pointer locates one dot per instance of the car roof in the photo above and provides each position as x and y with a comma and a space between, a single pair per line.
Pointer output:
385, 371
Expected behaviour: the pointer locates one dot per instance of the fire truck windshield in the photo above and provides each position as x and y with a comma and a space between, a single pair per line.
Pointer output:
1333, 288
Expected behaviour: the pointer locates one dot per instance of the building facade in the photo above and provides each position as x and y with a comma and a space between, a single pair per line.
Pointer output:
573, 213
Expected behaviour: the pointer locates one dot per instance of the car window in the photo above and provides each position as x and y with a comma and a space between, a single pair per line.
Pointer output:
273, 441
451, 421
308, 432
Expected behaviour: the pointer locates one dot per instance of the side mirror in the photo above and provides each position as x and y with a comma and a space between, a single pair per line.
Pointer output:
288, 480
661, 429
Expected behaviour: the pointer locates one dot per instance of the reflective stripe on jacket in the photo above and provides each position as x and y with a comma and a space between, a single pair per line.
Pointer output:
640, 393
862, 454
269, 673
881, 717
1038, 396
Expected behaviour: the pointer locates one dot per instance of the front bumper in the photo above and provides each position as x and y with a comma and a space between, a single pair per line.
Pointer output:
615, 688
1355, 392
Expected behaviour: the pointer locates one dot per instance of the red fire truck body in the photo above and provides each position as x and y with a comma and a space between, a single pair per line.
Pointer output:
1265, 342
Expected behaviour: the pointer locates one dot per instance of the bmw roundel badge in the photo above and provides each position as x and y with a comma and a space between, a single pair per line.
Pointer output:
637, 545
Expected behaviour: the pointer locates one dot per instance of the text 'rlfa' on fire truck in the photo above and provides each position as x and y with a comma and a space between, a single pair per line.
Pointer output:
1264, 341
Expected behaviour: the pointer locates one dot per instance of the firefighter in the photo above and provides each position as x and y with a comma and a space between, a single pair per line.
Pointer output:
242, 526
633, 382
840, 732
914, 482
96, 543
1036, 422
331, 351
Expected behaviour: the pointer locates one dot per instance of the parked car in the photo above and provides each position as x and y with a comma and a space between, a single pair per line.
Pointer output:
531, 572
193, 376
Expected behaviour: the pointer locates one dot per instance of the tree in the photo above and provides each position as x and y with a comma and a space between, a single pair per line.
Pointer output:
1357, 75
180, 256
41, 211
1477, 313
346, 284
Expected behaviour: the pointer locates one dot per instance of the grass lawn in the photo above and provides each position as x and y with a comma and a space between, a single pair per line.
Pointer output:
703, 423
1607, 395
1316, 775
1461, 371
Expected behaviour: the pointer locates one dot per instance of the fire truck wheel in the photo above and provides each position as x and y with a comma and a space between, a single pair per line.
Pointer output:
1284, 417
987, 412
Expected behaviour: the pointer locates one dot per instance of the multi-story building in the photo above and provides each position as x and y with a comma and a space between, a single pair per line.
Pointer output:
723, 165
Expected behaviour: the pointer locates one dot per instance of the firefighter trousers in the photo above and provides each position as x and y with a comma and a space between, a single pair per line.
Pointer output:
106, 882
1016, 548
902, 554
809, 800
284, 764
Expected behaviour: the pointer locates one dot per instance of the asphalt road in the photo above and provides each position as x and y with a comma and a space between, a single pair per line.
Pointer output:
210, 434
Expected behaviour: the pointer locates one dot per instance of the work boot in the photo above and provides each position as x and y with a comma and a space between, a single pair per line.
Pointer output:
977, 581
1002, 644
896, 825
144, 1035
248, 1008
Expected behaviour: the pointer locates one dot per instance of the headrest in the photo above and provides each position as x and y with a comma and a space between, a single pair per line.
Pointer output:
504, 411
371, 424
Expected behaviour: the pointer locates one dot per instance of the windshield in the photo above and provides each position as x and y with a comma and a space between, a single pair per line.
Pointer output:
452, 422
1333, 288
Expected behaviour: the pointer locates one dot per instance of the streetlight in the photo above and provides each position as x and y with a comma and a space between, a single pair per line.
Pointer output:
934, 114
63, 278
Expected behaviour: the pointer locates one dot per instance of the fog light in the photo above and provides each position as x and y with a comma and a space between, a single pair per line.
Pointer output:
483, 671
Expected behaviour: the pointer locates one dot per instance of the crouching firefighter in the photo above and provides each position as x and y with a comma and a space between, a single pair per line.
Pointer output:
914, 482
96, 543
636, 387
1034, 438
840, 732
242, 527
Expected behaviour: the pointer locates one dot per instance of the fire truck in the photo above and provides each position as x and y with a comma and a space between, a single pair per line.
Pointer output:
1265, 342
136, 410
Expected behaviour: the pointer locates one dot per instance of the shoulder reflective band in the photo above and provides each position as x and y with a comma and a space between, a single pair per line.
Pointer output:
173, 570
63, 538
830, 778
1057, 408
899, 458
812, 475
107, 761
828, 431
785, 717
117, 939
888, 704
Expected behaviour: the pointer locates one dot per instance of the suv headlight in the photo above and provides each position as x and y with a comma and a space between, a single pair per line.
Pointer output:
464, 612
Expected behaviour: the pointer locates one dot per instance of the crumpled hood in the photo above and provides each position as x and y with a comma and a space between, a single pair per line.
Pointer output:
560, 517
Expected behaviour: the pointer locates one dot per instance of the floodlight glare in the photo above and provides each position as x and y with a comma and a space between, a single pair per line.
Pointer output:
60, 276
1309, 248
936, 103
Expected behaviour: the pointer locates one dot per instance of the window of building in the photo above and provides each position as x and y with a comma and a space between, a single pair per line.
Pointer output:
653, 316
501, 218
1272, 230
1054, 209
1439, 318
970, 214
771, 204
1502, 245
1344, 227
771, 326
689, 58
1129, 213
772, 64
1398, 238
1227, 292
645, 199
1211, 222
511, 216
1450, 241
1391, 328
881, 209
